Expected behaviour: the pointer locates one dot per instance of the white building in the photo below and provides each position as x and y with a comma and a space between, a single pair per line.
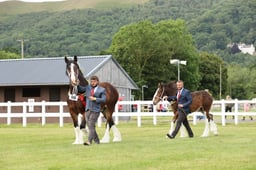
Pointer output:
246, 49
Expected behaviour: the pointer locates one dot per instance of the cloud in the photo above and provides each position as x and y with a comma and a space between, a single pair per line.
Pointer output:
34, 1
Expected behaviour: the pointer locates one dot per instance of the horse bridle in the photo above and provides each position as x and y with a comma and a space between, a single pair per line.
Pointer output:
76, 74
161, 96
73, 95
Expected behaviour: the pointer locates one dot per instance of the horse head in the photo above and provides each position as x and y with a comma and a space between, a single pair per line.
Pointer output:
72, 70
164, 90
159, 94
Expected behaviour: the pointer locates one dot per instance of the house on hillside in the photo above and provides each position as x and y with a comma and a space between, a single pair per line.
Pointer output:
247, 49
243, 48
45, 79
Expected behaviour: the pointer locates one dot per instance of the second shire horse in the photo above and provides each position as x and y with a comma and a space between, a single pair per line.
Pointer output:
75, 106
201, 101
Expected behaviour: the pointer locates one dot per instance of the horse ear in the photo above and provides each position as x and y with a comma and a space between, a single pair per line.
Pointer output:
66, 59
75, 58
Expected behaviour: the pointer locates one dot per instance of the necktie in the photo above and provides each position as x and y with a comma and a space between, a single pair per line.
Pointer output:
178, 96
92, 91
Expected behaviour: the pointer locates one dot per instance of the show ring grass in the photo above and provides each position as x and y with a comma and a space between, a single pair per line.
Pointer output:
143, 148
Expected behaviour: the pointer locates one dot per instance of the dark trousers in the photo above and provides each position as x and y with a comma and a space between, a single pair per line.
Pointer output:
91, 118
182, 118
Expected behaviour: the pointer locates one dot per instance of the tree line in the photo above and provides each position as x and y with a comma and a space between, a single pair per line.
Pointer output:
205, 27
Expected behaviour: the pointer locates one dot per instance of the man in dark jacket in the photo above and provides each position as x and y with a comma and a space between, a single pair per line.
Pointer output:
95, 95
184, 100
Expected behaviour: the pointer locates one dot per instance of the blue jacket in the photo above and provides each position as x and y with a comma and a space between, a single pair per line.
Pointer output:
100, 95
185, 99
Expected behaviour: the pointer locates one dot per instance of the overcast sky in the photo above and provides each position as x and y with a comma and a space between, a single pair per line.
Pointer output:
33, 0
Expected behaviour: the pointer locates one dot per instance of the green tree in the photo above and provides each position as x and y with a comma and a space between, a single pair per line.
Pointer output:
210, 66
241, 82
145, 49
8, 55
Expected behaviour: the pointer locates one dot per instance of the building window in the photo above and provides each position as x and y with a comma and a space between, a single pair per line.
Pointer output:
31, 92
9, 94
54, 94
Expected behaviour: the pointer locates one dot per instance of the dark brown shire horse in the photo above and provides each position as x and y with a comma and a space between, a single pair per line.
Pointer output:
201, 101
76, 106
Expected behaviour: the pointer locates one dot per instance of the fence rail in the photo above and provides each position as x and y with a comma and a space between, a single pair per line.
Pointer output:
142, 110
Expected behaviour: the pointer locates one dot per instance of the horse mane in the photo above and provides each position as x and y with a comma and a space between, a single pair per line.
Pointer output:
81, 78
170, 88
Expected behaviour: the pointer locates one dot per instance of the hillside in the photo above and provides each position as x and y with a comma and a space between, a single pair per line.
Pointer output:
18, 7
58, 31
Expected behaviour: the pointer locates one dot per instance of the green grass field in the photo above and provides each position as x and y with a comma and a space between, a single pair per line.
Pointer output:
144, 148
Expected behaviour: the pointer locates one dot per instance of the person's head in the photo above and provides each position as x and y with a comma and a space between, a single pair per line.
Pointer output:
228, 97
94, 81
179, 84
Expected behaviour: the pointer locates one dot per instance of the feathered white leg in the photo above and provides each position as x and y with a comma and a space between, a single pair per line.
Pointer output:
183, 132
171, 128
206, 129
117, 134
213, 127
106, 137
77, 129
80, 136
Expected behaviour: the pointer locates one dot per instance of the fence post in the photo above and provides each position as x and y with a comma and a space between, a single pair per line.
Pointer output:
154, 115
24, 116
223, 120
236, 111
9, 109
116, 115
139, 115
61, 115
194, 119
43, 113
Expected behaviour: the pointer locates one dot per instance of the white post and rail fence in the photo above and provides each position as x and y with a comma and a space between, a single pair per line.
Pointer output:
137, 109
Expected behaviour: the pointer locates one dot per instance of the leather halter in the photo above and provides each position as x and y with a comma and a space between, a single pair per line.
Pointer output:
161, 96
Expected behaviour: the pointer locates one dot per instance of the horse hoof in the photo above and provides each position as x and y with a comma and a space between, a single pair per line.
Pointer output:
78, 143
117, 140
104, 141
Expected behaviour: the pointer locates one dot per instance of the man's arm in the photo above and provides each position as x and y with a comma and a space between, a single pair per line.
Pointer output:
188, 99
102, 97
171, 98
81, 89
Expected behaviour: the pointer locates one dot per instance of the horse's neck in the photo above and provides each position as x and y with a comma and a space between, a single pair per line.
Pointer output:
82, 80
171, 91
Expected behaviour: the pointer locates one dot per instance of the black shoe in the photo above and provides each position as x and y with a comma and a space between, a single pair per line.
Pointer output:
169, 136
191, 136
86, 143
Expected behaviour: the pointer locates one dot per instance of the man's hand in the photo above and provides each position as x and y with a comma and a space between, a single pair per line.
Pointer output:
165, 97
91, 98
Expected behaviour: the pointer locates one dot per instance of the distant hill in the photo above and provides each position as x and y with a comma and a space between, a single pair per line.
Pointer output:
75, 27
18, 7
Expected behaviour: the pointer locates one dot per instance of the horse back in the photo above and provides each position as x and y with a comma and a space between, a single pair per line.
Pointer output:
111, 95
201, 100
